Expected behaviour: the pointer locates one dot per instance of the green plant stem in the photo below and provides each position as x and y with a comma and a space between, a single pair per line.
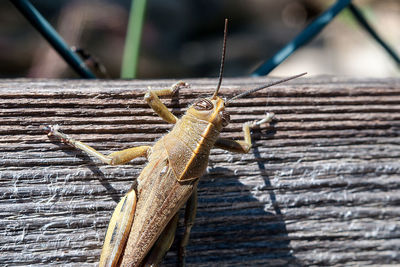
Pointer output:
133, 37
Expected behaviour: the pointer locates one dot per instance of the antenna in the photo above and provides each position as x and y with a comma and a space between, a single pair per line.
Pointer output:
221, 69
265, 86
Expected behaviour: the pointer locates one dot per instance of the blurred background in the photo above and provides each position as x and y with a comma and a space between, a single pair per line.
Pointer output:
182, 38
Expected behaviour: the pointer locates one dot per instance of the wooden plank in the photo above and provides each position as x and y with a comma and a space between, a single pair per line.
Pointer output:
320, 187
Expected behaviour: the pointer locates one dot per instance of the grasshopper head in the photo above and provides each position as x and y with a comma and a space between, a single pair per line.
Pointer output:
211, 110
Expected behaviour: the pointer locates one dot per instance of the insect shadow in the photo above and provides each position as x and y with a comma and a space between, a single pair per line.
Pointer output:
232, 226
88, 163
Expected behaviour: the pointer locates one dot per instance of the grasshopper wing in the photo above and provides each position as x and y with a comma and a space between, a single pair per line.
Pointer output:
118, 230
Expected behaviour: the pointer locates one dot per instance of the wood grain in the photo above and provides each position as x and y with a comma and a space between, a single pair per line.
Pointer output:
321, 186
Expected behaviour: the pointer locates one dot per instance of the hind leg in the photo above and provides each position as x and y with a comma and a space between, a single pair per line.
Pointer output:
190, 215
118, 230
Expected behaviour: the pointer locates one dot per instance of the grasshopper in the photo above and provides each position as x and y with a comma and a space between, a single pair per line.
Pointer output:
143, 225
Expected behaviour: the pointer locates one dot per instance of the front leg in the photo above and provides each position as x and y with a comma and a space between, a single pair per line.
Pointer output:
151, 97
242, 146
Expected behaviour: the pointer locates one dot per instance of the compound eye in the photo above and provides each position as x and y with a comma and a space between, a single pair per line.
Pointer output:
226, 118
203, 104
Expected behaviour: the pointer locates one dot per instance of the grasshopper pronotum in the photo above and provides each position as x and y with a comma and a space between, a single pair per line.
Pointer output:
142, 227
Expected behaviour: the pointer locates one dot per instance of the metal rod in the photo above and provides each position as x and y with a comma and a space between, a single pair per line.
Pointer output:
51, 35
364, 23
305, 36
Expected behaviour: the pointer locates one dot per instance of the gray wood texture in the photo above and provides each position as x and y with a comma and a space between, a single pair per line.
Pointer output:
321, 186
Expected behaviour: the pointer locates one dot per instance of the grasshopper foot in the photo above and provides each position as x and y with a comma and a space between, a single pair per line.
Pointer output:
52, 130
267, 119
179, 85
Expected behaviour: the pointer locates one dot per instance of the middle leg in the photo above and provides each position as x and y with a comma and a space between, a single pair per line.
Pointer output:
115, 158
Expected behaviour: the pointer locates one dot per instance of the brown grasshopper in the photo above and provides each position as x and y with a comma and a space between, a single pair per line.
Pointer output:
143, 225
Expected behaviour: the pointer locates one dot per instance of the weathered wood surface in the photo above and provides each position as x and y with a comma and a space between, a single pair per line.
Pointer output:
321, 186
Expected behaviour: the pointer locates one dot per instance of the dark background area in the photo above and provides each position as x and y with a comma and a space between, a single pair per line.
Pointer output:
184, 38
